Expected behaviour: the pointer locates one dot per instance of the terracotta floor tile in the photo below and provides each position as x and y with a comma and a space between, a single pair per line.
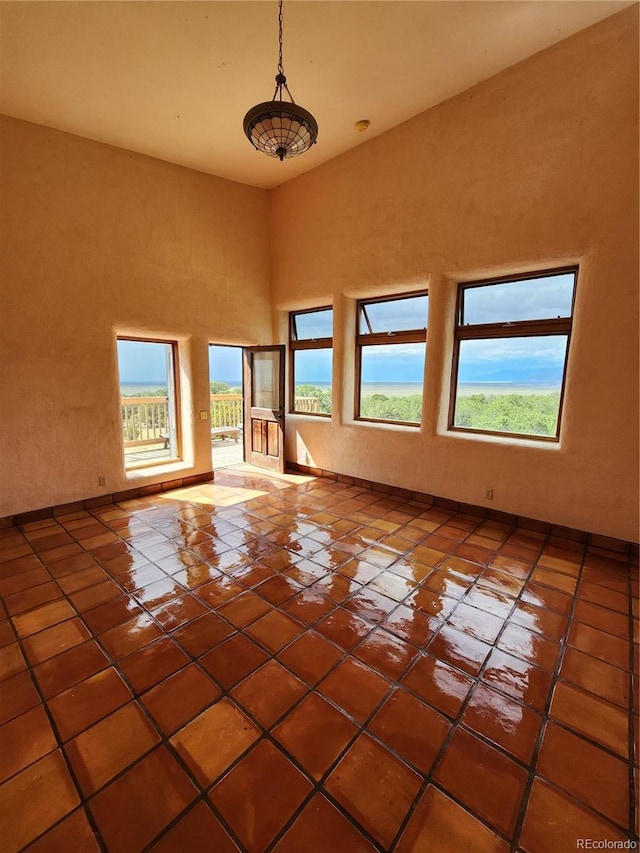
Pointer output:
315, 734
529, 646
24, 580
173, 614
218, 591
555, 580
604, 620
411, 729
438, 684
598, 644
200, 830
355, 688
244, 609
412, 624
180, 697
490, 601
278, 589
603, 597
151, 664
139, 576
43, 617
17, 695
21, 602
24, 740
595, 676
73, 833
336, 587
75, 581
483, 780
203, 634
7, 635
275, 630
130, 636
459, 649
309, 606
64, 670
233, 660
386, 653
11, 661
479, 624
213, 741
542, 621
592, 775
310, 657
111, 614
343, 628
554, 822
159, 592
381, 805
34, 800
519, 679
545, 597
269, 692
504, 722
105, 749
52, 641
88, 701
127, 817
438, 825
321, 828
589, 716
447, 583
249, 801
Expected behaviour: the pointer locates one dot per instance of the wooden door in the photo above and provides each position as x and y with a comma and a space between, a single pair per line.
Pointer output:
264, 407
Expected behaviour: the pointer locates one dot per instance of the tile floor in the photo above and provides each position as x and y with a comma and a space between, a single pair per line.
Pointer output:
302, 666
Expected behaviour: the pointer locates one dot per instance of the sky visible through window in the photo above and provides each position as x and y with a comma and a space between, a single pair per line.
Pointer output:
532, 361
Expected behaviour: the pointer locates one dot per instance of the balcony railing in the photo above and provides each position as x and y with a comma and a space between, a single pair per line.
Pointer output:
145, 420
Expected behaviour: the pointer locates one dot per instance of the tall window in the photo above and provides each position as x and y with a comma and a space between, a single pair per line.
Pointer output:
510, 354
148, 401
311, 353
391, 344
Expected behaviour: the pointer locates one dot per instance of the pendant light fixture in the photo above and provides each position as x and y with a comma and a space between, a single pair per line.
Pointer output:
278, 127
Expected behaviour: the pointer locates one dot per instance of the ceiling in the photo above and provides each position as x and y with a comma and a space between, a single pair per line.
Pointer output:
174, 79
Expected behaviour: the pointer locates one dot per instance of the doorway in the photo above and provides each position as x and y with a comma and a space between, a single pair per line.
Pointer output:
226, 405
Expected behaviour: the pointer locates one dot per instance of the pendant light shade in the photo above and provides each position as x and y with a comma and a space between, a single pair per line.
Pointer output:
278, 127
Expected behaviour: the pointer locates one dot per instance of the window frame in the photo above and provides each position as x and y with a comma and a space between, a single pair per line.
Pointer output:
371, 338
296, 345
549, 327
175, 355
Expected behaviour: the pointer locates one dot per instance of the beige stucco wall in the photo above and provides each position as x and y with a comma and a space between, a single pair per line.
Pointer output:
98, 241
534, 168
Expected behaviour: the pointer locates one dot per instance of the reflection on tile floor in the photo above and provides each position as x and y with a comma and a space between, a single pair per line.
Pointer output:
298, 665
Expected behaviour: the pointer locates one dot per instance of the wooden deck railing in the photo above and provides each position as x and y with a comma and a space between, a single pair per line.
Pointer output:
145, 420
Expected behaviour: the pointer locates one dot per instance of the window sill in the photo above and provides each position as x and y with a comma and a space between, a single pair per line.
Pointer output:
510, 440
147, 471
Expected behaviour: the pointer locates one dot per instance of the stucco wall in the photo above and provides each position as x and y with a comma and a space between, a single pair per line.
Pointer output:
534, 168
98, 241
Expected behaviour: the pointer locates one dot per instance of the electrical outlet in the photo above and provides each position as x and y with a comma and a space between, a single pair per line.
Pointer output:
102, 480
488, 494
204, 415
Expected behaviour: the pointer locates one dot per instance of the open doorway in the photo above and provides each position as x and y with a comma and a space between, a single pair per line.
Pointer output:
225, 380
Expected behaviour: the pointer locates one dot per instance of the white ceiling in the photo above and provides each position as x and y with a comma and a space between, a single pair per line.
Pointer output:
174, 79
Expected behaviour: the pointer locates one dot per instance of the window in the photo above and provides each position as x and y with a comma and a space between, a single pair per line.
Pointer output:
148, 404
311, 353
510, 354
391, 344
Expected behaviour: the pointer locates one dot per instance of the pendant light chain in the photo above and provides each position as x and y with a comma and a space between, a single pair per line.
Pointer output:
280, 66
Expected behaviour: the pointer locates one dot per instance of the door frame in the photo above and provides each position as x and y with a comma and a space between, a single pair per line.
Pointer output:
259, 418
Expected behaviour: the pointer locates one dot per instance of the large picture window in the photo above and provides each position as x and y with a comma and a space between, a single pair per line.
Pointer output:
510, 354
148, 401
391, 344
311, 353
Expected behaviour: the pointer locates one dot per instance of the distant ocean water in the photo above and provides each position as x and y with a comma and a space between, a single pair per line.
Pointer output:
389, 389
